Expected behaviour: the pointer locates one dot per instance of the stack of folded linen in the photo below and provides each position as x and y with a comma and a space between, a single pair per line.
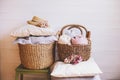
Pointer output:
36, 31
86, 70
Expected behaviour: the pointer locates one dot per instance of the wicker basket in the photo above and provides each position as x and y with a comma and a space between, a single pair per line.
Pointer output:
38, 56
65, 50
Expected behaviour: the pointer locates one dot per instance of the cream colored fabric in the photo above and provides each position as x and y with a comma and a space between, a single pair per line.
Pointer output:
87, 68
32, 30
97, 77
41, 31
64, 39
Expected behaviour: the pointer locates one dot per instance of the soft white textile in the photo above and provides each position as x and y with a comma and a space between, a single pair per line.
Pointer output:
86, 68
36, 40
28, 30
97, 77
43, 40
64, 39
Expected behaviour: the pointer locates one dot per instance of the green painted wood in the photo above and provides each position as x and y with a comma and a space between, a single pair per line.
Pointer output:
20, 68
20, 71
17, 76
21, 76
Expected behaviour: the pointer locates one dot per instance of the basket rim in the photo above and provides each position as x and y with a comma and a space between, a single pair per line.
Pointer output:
37, 44
74, 44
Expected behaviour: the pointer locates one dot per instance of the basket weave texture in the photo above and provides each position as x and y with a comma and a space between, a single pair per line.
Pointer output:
65, 50
38, 56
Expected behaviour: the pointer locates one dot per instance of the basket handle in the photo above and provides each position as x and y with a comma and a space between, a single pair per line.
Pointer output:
88, 33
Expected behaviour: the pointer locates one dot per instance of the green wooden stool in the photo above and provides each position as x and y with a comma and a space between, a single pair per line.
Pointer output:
20, 71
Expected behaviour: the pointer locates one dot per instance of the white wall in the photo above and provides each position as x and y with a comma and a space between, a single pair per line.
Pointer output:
101, 17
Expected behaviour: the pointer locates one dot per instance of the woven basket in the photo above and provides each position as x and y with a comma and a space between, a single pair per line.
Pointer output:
38, 56
65, 50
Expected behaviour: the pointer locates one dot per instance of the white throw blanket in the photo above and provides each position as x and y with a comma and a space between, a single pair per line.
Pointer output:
36, 40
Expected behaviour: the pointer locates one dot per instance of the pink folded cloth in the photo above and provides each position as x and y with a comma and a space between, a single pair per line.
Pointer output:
79, 40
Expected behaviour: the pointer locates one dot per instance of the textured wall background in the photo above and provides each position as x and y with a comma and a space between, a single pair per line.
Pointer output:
99, 16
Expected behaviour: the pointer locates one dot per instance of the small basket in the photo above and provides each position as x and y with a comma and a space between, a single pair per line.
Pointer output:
65, 50
38, 56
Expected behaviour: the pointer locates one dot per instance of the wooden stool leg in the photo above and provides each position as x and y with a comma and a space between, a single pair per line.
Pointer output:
49, 77
21, 76
17, 76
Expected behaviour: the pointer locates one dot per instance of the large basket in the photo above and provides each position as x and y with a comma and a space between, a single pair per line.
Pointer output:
38, 56
65, 50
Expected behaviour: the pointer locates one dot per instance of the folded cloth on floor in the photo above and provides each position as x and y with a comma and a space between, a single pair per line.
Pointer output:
85, 68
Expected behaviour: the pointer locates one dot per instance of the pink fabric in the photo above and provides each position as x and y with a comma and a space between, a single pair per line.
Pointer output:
79, 40
73, 59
